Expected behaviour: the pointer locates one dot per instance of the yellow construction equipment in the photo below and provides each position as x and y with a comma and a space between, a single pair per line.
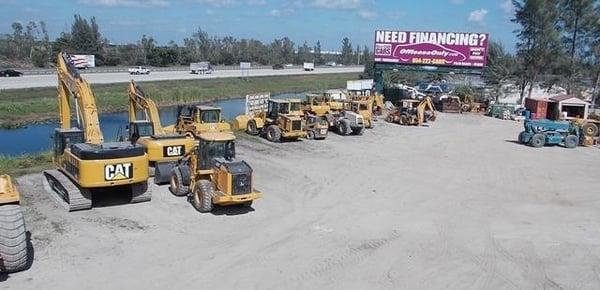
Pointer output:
84, 162
193, 120
211, 174
376, 101
13, 237
362, 107
413, 112
280, 121
337, 113
164, 150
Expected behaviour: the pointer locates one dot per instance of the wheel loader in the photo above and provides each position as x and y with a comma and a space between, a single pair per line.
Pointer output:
413, 112
164, 150
341, 120
279, 121
85, 164
13, 235
212, 175
193, 120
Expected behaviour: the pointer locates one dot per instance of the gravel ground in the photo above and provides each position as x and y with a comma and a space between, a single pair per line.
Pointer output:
457, 205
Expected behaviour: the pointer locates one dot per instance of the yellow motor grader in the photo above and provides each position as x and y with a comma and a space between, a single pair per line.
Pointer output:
13, 235
212, 175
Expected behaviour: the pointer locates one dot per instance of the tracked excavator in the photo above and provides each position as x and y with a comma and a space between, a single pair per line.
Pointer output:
84, 163
164, 150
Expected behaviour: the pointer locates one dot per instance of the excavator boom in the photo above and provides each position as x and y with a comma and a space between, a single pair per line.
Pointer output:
71, 84
138, 101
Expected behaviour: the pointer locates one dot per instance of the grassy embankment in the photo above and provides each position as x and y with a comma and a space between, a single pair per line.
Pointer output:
25, 106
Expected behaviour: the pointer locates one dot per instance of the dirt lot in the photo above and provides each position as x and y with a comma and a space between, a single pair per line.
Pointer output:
456, 205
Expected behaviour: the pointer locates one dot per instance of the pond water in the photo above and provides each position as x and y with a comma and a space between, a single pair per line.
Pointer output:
36, 137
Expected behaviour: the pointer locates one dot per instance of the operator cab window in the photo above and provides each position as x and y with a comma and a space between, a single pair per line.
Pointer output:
215, 149
209, 117
294, 106
283, 108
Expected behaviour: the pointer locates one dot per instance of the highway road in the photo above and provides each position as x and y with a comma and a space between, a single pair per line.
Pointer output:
49, 80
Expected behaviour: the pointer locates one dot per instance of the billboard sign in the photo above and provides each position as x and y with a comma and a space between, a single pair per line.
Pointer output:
256, 103
452, 49
83, 61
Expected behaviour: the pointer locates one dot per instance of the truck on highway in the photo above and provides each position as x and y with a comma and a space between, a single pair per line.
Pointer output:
203, 67
309, 66
139, 70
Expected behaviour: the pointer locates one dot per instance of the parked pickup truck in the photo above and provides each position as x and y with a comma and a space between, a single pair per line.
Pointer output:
139, 70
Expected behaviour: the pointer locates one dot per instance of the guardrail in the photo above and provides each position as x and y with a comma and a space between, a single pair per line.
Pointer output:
108, 69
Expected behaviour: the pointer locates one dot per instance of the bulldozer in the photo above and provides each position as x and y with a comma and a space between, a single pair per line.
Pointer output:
281, 120
164, 150
212, 175
193, 120
337, 114
413, 112
13, 235
84, 163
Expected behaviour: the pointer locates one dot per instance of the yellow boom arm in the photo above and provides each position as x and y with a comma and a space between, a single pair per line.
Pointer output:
426, 104
138, 100
71, 84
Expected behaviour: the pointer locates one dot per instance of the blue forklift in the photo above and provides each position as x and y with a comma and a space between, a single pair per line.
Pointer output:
542, 132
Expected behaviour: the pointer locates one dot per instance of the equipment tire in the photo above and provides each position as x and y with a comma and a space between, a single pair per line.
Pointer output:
589, 129
13, 239
251, 128
310, 134
247, 204
176, 185
571, 141
344, 127
358, 131
273, 133
524, 137
537, 141
202, 196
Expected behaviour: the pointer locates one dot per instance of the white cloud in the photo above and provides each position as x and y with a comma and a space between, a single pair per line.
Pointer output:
507, 6
130, 3
337, 4
457, 2
257, 2
275, 13
478, 16
218, 3
367, 14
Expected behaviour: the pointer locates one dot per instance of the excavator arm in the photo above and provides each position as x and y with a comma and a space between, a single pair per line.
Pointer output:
71, 84
425, 105
139, 101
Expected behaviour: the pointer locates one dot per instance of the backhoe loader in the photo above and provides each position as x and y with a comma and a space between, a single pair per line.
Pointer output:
212, 175
164, 150
85, 164
376, 101
13, 237
193, 120
413, 112
280, 121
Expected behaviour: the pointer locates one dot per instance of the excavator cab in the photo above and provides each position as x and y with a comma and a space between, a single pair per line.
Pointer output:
139, 129
64, 138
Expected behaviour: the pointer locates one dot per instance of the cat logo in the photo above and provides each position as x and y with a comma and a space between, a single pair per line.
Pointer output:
120, 171
173, 151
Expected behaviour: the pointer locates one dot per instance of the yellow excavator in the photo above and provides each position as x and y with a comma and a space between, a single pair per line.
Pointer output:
13, 235
85, 164
413, 112
164, 150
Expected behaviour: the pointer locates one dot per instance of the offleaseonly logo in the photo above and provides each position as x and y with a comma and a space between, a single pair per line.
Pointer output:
405, 52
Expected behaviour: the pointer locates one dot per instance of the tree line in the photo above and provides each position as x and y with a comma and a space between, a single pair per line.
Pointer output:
31, 46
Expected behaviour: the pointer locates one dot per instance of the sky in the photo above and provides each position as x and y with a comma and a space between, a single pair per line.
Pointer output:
125, 21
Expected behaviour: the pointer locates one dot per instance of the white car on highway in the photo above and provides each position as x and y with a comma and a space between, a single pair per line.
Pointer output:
139, 70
